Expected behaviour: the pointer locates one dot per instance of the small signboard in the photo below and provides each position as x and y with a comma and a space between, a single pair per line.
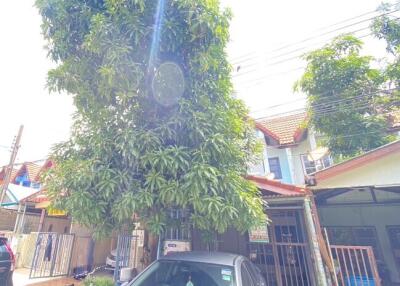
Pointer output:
259, 234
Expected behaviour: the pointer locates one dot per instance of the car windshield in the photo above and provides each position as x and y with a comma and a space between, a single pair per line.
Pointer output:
181, 273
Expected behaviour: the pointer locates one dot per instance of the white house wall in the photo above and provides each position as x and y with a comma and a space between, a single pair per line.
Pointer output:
381, 172
298, 170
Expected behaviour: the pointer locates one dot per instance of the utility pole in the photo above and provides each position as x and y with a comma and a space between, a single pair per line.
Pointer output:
11, 164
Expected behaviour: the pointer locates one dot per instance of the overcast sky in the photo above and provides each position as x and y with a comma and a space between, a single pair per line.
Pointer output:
260, 30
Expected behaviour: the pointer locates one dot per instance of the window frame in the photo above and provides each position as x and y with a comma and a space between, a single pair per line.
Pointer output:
278, 165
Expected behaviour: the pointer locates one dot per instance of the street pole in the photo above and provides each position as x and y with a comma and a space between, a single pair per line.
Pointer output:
10, 166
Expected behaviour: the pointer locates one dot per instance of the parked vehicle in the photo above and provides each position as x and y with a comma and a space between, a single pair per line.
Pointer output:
200, 269
7, 263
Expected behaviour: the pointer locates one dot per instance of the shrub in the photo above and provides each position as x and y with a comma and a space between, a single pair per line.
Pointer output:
98, 281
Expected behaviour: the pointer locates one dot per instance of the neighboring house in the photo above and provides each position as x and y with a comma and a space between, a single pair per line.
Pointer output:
20, 210
28, 175
358, 202
291, 150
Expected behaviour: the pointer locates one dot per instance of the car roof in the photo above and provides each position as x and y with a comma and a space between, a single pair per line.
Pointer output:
220, 258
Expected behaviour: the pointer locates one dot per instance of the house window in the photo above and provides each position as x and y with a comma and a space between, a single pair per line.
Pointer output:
180, 229
275, 167
308, 165
394, 237
311, 166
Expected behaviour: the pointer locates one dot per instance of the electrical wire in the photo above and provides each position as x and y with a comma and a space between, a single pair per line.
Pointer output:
327, 107
261, 80
329, 32
304, 48
328, 100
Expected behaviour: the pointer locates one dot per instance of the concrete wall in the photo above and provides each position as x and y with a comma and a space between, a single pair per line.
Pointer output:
83, 236
58, 224
7, 219
296, 152
378, 216
261, 168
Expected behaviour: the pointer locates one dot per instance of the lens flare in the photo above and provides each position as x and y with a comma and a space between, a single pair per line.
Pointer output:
155, 43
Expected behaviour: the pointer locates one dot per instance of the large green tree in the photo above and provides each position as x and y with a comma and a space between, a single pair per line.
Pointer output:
345, 97
129, 153
387, 27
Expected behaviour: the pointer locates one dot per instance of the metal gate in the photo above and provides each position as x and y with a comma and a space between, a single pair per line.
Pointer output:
52, 255
285, 260
127, 253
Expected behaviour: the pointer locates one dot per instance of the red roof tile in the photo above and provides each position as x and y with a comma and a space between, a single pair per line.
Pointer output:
277, 188
38, 197
46, 166
286, 130
3, 174
31, 168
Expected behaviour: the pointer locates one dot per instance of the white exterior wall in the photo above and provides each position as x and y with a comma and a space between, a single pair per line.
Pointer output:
298, 170
261, 169
381, 172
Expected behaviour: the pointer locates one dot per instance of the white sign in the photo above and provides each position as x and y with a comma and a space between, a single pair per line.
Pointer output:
259, 234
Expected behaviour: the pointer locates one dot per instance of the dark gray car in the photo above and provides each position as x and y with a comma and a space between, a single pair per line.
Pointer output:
6, 263
200, 269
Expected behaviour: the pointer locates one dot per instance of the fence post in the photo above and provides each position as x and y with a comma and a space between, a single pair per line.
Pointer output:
116, 269
34, 260
55, 252
371, 258
315, 251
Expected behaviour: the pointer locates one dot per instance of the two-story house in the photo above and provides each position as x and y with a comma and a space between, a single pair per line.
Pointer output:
291, 151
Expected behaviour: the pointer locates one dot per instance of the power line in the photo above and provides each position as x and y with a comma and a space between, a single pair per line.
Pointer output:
323, 28
323, 107
34, 161
328, 100
296, 57
326, 33
260, 80
295, 51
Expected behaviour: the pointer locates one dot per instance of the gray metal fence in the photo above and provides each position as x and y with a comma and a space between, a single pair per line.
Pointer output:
126, 256
52, 255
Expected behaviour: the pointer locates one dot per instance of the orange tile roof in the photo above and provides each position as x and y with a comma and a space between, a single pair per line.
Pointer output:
286, 130
3, 174
46, 166
33, 170
272, 188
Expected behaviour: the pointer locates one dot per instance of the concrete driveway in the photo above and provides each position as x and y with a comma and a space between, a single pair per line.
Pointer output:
21, 278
